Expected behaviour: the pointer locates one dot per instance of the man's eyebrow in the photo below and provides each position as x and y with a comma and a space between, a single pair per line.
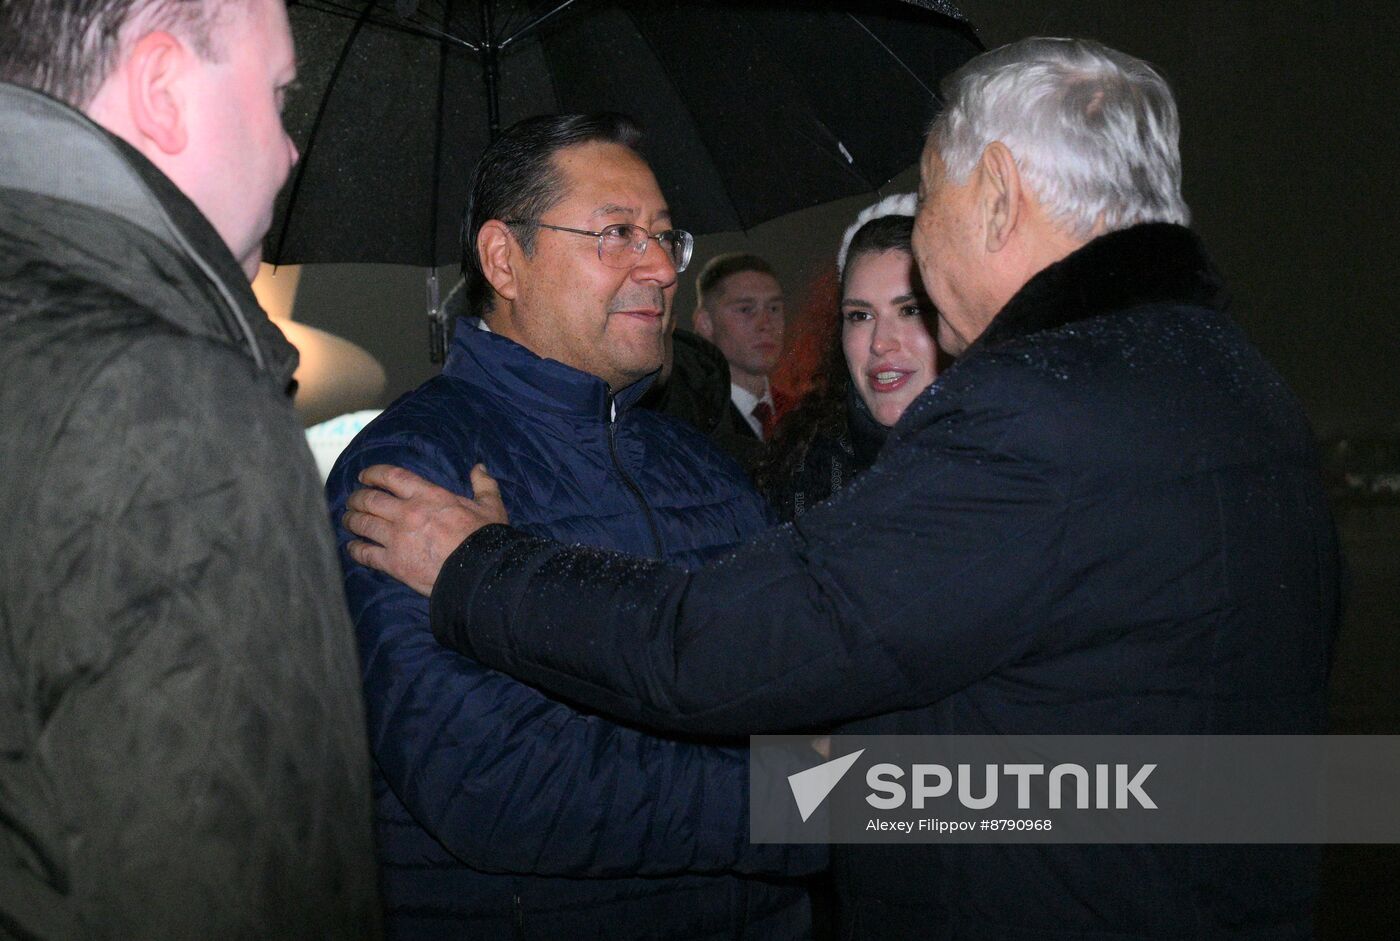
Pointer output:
613, 209
752, 298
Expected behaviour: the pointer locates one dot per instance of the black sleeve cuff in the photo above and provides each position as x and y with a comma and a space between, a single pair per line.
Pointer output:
461, 574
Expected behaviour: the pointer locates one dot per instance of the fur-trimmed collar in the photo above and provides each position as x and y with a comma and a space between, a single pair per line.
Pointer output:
1152, 263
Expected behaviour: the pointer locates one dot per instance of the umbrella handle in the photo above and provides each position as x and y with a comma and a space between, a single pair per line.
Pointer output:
437, 322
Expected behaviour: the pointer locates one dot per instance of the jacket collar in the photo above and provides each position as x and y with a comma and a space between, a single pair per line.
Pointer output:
1152, 263
503, 368
54, 151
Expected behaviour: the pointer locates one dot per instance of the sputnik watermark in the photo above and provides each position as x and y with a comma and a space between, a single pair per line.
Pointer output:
811, 787
884, 780
1078, 789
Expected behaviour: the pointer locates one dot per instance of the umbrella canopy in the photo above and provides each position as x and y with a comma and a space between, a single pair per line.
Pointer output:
752, 110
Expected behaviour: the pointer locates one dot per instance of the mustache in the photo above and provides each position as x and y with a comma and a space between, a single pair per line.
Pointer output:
654, 298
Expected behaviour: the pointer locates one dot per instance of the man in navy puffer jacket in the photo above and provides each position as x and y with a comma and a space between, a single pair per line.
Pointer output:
502, 812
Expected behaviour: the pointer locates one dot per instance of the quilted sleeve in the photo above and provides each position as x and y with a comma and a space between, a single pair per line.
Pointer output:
510, 780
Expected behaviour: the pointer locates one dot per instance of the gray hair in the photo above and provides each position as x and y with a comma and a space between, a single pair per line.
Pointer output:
1094, 131
68, 48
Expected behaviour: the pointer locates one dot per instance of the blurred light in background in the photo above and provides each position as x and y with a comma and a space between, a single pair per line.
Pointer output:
335, 376
329, 438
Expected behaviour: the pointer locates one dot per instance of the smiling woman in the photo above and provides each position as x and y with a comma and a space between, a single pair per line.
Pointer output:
890, 355
879, 357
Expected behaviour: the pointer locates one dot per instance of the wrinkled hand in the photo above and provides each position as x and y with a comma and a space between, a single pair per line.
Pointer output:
412, 525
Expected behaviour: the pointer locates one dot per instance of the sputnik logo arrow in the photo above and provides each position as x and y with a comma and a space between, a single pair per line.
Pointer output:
810, 787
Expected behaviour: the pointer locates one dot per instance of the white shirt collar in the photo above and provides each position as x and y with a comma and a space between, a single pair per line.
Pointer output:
744, 401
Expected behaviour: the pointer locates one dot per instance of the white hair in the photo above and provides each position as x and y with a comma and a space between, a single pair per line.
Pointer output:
1094, 131
898, 204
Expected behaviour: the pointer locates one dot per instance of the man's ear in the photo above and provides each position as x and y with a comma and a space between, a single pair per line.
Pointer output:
703, 324
155, 94
999, 193
496, 251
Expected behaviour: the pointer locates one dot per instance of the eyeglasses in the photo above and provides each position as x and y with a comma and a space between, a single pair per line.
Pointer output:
622, 245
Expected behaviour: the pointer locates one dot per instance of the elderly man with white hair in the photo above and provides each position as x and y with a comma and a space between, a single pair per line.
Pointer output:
1105, 518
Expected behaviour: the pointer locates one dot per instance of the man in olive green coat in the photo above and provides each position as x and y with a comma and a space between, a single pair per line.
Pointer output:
182, 750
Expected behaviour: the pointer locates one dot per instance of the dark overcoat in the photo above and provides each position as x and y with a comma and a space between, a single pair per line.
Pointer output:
182, 745
1106, 518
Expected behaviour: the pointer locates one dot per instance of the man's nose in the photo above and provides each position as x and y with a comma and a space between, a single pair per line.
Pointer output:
656, 265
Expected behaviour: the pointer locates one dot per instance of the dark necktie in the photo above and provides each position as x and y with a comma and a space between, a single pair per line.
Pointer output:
764, 413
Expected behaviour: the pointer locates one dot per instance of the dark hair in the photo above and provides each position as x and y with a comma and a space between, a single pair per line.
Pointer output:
822, 411
68, 48
881, 234
517, 179
723, 266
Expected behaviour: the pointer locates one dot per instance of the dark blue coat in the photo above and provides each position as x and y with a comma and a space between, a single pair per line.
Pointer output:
1105, 519
502, 812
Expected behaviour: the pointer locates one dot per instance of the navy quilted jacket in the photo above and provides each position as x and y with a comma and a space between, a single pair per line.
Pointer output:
502, 812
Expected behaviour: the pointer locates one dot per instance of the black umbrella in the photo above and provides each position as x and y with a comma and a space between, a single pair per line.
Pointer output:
752, 110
